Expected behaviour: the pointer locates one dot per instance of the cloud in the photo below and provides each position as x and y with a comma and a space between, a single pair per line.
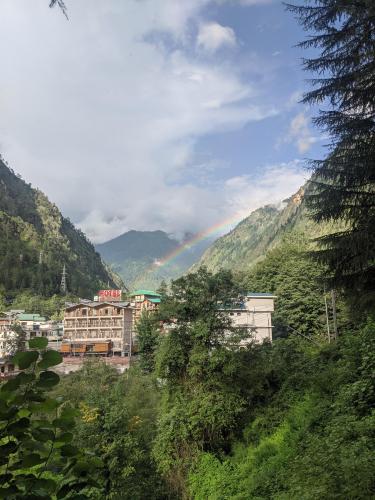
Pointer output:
195, 208
212, 36
245, 193
103, 112
299, 133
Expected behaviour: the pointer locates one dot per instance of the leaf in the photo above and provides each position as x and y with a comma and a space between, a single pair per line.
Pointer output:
48, 485
31, 460
11, 385
68, 450
63, 423
38, 343
48, 405
24, 359
43, 434
48, 379
18, 426
25, 378
8, 448
65, 437
9, 491
50, 358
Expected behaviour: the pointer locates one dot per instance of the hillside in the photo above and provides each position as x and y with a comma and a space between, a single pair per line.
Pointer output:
134, 255
36, 241
262, 230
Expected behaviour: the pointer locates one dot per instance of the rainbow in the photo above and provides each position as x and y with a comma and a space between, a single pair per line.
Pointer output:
220, 227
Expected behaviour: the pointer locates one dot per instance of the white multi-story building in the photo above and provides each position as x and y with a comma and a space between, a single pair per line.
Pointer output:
254, 313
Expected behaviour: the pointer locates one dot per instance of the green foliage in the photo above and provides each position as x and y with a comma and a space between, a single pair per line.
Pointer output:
197, 360
289, 272
341, 32
148, 335
37, 457
312, 436
117, 423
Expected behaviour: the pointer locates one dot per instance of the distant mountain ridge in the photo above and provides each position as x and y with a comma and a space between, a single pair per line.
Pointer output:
36, 241
136, 255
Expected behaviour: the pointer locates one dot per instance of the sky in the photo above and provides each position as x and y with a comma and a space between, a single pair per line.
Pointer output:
155, 114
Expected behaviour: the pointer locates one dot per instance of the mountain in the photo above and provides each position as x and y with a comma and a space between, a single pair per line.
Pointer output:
144, 259
36, 241
262, 230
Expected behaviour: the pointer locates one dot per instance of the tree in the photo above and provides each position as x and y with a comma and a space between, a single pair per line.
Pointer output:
344, 181
148, 338
197, 362
117, 424
37, 457
61, 4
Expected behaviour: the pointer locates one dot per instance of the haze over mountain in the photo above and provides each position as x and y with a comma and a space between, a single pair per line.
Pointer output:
144, 259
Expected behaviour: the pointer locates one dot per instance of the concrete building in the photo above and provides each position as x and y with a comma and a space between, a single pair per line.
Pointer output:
254, 312
144, 300
98, 328
7, 337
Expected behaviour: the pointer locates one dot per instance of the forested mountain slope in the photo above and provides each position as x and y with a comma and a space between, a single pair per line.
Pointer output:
262, 230
36, 241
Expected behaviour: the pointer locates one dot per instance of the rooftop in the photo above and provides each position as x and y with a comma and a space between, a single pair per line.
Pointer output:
251, 294
145, 292
30, 317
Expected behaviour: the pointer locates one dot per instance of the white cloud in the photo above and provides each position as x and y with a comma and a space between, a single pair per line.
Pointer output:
104, 116
299, 133
212, 36
245, 193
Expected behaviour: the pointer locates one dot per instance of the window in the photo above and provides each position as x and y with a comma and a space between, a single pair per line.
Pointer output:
105, 311
118, 310
84, 312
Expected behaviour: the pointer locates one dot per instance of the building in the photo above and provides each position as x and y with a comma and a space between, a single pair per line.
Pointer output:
144, 300
8, 343
254, 312
7, 337
98, 328
31, 324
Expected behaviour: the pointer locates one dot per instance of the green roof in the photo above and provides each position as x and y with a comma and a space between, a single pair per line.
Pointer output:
145, 292
30, 317
155, 301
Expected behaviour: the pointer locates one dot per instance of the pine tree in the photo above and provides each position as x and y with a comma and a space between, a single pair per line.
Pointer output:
343, 183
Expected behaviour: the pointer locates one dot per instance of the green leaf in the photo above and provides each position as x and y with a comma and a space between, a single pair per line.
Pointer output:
25, 378
11, 385
9, 491
65, 437
48, 379
25, 359
38, 343
18, 426
8, 448
31, 460
69, 450
42, 484
48, 405
43, 434
63, 423
50, 358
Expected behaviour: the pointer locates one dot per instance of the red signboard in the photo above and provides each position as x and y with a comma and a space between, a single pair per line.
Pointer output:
109, 295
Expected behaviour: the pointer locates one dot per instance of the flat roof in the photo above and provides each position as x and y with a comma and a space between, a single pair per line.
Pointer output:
259, 295
30, 317
145, 292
